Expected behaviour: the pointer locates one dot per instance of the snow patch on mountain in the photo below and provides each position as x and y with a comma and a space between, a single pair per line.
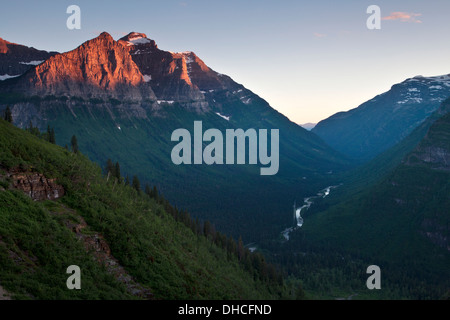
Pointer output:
188, 56
165, 101
7, 76
246, 100
33, 63
139, 41
135, 38
438, 86
444, 79
222, 116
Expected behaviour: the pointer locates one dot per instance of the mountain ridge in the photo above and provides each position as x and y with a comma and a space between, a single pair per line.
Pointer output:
16, 59
98, 68
381, 122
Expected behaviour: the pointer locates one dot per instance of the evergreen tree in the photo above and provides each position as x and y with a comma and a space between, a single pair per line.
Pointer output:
207, 228
148, 191
136, 184
240, 249
109, 170
231, 246
299, 293
155, 194
127, 181
213, 233
52, 138
117, 173
198, 228
74, 143
34, 130
8, 115
50, 135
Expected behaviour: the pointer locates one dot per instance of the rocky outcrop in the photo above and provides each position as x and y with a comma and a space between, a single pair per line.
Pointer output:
37, 186
96, 244
438, 158
434, 149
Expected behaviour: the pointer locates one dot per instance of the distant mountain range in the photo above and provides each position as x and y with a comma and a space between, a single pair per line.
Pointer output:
308, 126
385, 120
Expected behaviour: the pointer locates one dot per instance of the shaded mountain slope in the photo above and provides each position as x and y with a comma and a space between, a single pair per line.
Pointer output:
401, 222
16, 59
98, 223
385, 120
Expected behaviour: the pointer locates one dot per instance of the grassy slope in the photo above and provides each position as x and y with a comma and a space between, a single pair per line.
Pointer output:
159, 252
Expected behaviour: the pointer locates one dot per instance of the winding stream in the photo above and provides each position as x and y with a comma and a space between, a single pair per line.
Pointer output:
307, 204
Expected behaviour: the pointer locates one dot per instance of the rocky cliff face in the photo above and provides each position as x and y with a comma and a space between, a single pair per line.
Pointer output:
16, 59
37, 186
434, 149
130, 69
96, 244
175, 76
438, 158
433, 154
168, 73
99, 68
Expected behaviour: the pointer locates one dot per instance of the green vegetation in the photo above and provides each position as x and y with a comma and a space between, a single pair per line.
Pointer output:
74, 143
236, 198
8, 115
150, 238
399, 223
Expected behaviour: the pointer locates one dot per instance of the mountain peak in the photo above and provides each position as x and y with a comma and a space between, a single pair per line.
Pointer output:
99, 68
105, 35
136, 38
4, 45
134, 35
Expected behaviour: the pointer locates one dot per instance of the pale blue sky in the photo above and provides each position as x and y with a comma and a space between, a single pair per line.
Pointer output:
308, 59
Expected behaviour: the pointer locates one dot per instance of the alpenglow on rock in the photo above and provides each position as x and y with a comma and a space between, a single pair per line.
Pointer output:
99, 68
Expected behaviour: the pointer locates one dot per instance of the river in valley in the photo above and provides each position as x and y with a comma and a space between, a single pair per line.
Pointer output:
307, 202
